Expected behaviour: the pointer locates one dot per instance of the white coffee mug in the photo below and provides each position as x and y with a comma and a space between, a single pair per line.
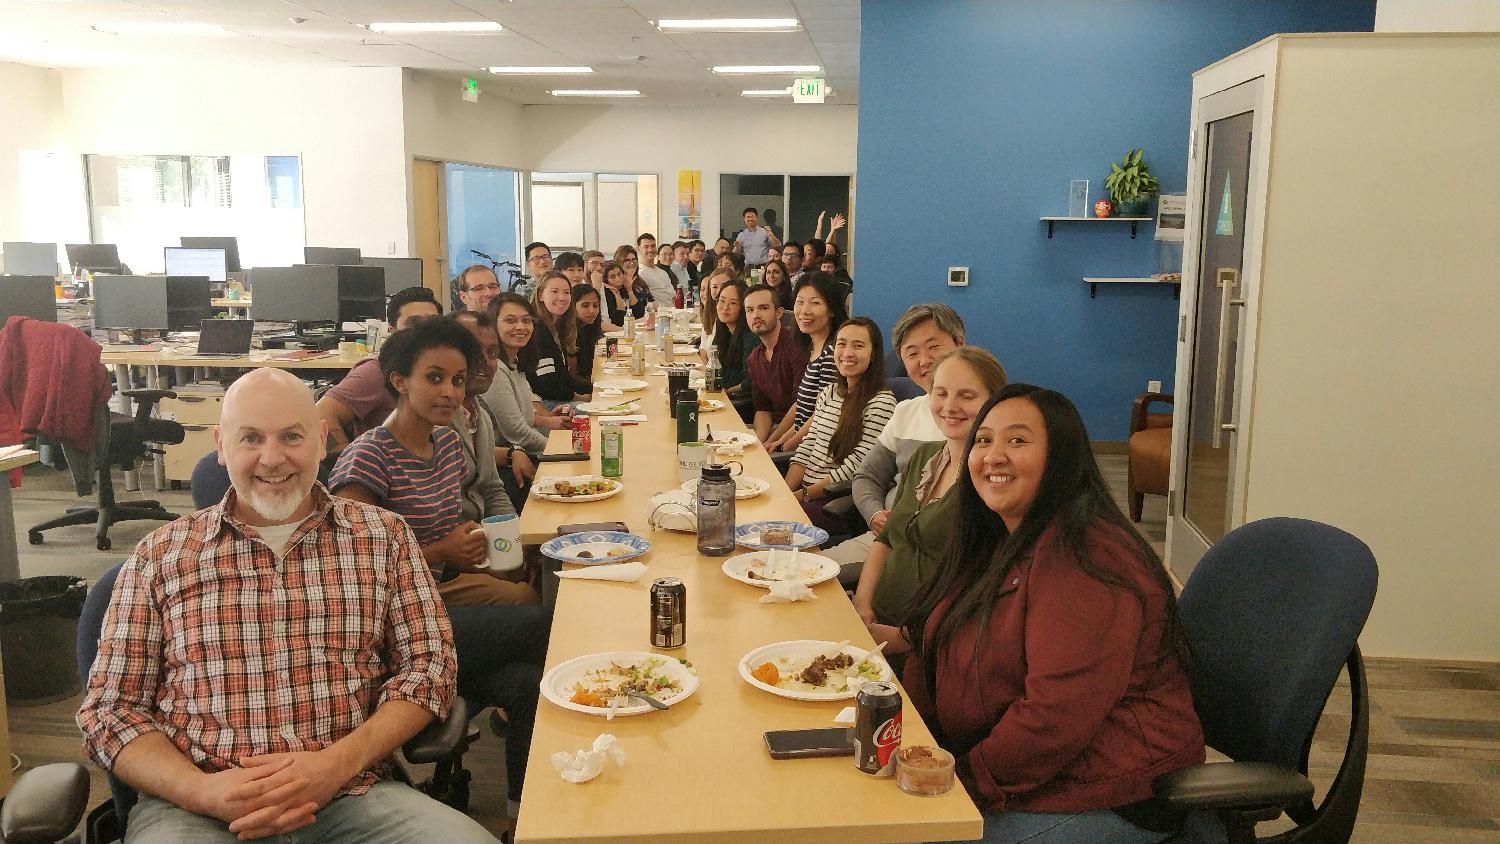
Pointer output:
503, 542
690, 457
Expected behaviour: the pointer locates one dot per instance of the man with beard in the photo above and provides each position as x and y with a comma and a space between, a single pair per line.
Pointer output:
777, 365
262, 658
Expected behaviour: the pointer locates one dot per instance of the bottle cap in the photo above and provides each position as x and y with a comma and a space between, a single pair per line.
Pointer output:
715, 472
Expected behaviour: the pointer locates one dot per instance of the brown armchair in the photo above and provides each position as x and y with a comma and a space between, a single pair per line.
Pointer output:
1150, 450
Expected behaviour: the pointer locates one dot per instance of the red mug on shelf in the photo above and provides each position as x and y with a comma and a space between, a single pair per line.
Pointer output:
1103, 208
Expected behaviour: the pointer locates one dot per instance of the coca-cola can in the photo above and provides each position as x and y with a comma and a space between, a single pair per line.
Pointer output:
611, 346
668, 613
877, 728
581, 434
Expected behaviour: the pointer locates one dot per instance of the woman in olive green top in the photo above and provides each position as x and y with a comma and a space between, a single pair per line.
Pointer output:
907, 551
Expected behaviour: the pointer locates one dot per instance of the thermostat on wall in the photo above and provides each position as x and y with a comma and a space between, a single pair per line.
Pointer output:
958, 276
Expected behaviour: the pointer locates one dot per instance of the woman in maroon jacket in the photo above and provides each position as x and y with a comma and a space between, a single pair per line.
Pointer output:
1046, 650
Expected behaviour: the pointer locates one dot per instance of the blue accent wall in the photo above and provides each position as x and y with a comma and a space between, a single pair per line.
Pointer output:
973, 118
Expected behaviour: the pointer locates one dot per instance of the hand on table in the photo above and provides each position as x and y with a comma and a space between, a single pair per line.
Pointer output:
319, 773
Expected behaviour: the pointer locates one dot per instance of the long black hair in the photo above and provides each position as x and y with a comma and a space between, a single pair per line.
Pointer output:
828, 289
1072, 497
730, 343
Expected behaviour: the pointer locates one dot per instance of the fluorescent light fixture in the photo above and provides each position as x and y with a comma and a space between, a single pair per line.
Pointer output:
539, 71
770, 92
731, 24
175, 27
595, 92
766, 68
436, 26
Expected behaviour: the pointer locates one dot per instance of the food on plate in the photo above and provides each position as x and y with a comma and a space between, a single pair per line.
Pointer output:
816, 673
766, 673
606, 686
776, 535
727, 449
618, 552
759, 568
707, 404
585, 555
822, 673
569, 489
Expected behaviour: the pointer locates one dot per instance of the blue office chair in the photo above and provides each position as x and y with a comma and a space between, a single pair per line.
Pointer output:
45, 804
1272, 614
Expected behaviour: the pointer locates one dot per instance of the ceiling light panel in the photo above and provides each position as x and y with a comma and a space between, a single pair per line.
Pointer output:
752, 69
415, 27
595, 92
164, 27
729, 25
538, 70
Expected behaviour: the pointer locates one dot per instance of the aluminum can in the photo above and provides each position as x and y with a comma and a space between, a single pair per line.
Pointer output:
611, 346
668, 613
581, 443
611, 449
877, 728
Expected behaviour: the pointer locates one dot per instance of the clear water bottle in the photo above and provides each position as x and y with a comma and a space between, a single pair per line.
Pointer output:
715, 511
713, 376
629, 326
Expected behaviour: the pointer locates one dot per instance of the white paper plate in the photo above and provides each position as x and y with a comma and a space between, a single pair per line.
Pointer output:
600, 544
624, 385
744, 487
557, 684
740, 438
543, 489
710, 405
800, 649
739, 565
608, 408
684, 349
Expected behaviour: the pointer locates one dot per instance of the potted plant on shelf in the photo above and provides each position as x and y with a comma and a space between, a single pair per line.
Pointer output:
1131, 185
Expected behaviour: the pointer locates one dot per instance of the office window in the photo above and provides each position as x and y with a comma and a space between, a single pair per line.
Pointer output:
592, 210
284, 181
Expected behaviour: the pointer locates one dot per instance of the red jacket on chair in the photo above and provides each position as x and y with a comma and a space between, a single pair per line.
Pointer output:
51, 383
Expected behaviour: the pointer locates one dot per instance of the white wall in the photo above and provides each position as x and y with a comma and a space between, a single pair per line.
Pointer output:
41, 184
635, 138
1437, 16
343, 122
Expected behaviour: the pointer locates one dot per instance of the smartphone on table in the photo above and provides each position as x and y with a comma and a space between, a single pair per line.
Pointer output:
810, 744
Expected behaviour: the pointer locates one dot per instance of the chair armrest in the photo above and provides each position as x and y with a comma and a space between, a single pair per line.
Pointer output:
844, 508
1142, 405
148, 396
45, 804
1218, 786
437, 740
838, 490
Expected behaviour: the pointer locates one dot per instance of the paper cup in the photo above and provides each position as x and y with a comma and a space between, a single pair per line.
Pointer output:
690, 457
503, 535
348, 349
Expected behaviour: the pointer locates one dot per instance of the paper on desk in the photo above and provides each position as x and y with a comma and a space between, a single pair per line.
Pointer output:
623, 572
587, 764
787, 591
8, 450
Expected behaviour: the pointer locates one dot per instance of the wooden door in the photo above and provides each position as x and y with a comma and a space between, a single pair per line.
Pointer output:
432, 225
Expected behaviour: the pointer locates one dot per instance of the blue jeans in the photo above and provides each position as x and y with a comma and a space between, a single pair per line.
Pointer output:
500, 655
1097, 827
390, 812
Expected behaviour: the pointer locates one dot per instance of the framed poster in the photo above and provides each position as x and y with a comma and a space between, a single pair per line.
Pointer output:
689, 198
1171, 216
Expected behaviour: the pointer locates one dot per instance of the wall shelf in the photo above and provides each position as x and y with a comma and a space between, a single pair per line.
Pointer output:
1094, 283
1131, 220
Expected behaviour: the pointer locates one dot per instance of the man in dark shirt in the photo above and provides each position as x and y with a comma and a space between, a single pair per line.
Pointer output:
360, 401
777, 365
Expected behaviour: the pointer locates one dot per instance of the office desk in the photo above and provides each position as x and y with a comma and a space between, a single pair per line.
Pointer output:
700, 771
10, 561
234, 305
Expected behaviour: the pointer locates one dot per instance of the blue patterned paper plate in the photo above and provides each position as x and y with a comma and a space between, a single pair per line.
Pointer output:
607, 546
803, 536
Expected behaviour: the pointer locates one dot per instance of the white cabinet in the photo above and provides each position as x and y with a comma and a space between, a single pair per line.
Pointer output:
1339, 335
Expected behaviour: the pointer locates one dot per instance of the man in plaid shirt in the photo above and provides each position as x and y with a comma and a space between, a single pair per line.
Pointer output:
261, 659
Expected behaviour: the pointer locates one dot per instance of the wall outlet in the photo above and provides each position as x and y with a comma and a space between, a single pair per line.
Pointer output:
390, 247
958, 276
1153, 386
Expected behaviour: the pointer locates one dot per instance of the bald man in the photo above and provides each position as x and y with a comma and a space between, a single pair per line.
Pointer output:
262, 658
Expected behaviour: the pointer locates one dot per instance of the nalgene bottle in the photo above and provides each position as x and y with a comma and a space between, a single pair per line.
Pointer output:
713, 376
716, 511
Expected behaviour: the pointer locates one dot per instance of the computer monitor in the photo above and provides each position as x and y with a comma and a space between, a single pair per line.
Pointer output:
189, 301
295, 294
330, 255
28, 295
22, 258
231, 247
130, 302
94, 257
183, 260
361, 293
400, 273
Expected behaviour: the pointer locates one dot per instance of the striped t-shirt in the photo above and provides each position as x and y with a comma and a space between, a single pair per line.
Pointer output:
426, 493
815, 453
820, 373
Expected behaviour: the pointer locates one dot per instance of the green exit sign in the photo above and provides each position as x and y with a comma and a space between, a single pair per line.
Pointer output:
810, 90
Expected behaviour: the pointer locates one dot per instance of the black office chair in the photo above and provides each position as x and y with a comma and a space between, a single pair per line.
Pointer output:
1272, 614
45, 804
123, 441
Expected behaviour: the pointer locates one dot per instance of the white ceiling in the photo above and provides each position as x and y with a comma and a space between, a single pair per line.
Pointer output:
615, 37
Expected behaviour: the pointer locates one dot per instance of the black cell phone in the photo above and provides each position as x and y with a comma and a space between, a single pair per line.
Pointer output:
592, 527
561, 458
809, 744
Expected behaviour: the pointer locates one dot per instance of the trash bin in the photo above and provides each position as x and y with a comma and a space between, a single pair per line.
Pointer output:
38, 634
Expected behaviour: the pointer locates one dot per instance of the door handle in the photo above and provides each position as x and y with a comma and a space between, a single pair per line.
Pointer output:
1229, 426
1227, 279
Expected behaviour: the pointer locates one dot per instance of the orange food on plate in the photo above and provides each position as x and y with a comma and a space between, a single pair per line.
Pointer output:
584, 697
767, 674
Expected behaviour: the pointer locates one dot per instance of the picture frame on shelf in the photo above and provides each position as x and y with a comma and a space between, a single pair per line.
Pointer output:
1078, 198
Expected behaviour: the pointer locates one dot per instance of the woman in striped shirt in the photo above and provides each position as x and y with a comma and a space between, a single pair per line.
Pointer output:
850, 414
819, 311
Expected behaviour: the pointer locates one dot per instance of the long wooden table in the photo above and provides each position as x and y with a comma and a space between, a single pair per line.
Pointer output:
700, 771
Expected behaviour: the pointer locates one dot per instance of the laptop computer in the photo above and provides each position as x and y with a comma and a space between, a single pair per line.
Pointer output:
224, 338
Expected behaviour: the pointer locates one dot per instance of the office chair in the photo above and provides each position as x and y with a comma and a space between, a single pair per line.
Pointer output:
1272, 614
1150, 450
122, 441
45, 804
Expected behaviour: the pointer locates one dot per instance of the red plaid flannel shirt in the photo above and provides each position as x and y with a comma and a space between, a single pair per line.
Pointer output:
228, 653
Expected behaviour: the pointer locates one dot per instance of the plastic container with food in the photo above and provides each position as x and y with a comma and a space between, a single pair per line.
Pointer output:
924, 770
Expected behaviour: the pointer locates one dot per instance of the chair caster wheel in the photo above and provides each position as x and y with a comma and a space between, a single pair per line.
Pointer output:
176, 485
103, 544
33, 537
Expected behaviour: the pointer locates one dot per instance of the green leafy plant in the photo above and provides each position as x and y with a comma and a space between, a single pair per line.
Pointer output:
1131, 179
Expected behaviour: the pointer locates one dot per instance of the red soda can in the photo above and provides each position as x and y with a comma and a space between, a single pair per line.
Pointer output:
581, 442
611, 346
877, 728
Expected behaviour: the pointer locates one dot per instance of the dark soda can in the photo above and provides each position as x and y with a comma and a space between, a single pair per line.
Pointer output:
581, 441
877, 728
611, 346
668, 613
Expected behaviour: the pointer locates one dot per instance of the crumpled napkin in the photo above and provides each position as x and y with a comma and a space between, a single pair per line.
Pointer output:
625, 572
787, 591
587, 764
845, 718
608, 393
